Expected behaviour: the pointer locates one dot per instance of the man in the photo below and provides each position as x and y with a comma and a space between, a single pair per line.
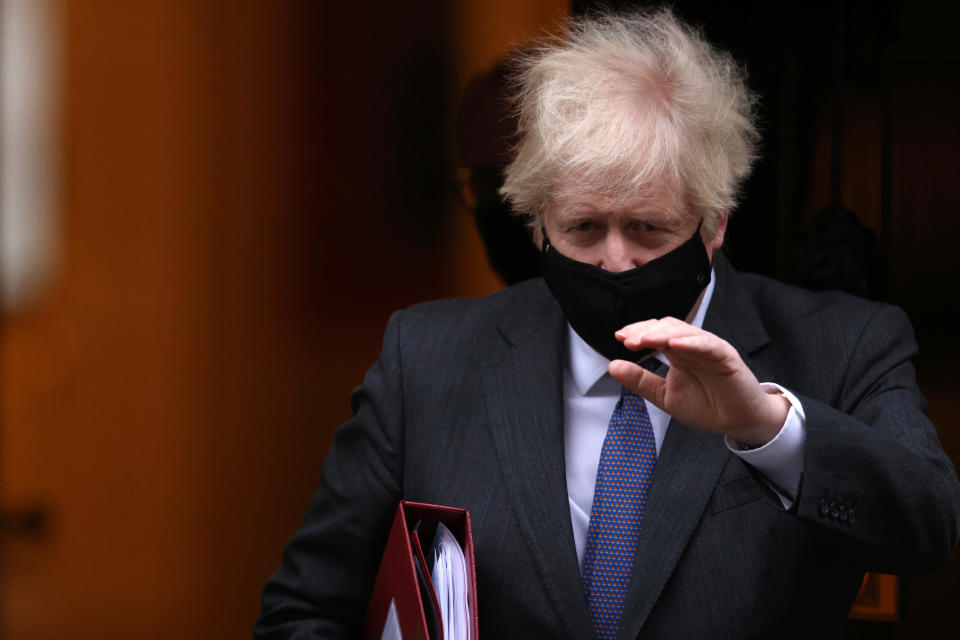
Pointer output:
650, 444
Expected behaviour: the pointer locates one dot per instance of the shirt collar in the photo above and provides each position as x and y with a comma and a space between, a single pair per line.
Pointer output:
587, 366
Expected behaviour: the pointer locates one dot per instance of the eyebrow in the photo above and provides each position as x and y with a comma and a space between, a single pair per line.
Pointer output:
655, 217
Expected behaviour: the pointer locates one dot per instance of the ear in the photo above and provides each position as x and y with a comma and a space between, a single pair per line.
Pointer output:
716, 241
538, 224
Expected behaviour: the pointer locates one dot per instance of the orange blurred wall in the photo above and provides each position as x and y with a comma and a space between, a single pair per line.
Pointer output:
233, 242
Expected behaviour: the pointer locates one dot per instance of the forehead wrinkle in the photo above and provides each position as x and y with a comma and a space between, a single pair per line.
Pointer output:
662, 201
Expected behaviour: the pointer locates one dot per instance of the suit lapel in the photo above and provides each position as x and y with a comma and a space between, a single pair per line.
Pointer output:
523, 383
688, 465
733, 316
687, 469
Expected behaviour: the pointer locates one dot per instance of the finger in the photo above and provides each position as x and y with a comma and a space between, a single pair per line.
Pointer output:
703, 348
659, 336
642, 382
635, 329
645, 326
695, 361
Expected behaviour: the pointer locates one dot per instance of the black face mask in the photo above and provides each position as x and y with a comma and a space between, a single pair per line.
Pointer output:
598, 303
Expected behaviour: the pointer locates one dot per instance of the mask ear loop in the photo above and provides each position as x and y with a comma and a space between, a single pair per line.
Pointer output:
546, 239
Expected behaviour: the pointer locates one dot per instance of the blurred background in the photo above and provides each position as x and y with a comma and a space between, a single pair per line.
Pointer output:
209, 208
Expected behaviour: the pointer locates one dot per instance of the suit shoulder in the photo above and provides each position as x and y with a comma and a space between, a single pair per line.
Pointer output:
826, 325
454, 323
473, 310
797, 304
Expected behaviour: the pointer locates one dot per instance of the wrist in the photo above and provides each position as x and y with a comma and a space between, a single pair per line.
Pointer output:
776, 408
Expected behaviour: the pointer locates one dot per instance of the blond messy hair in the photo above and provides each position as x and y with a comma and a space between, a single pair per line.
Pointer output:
623, 104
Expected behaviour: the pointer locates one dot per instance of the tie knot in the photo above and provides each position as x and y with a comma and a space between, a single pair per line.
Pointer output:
652, 365
631, 407
628, 396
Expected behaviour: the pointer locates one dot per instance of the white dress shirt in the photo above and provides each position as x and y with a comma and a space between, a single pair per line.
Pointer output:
590, 395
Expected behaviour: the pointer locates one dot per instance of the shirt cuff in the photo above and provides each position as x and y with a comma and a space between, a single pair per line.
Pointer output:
780, 460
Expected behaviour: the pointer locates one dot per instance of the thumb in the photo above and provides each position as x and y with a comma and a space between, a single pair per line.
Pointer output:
648, 386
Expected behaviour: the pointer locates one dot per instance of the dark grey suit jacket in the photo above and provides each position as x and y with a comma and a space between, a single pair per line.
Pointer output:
464, 408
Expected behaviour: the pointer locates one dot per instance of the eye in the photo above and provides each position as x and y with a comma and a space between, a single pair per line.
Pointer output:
646, 227
584, 226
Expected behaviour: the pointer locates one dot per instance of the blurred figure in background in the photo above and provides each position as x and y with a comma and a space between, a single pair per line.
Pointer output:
486, 131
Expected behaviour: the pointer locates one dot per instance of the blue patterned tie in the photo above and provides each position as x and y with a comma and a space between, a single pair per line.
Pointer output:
623, 478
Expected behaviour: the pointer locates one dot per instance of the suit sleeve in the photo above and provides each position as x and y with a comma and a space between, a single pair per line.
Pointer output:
875, 476
322, 587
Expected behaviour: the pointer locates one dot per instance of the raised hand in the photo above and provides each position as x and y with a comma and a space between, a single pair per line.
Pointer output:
708, 386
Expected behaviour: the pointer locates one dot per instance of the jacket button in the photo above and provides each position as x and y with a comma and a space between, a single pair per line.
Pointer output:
824, 507
852, 517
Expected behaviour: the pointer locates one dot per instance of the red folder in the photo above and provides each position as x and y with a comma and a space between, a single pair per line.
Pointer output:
397, 576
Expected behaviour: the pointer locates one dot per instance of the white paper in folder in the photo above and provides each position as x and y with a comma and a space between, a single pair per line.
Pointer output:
391, 628
451, 584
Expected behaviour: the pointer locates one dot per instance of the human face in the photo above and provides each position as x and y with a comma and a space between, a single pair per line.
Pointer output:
617, 234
